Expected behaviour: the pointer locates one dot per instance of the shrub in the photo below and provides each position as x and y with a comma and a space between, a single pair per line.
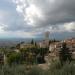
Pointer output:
36, 71
13, 57
55, 69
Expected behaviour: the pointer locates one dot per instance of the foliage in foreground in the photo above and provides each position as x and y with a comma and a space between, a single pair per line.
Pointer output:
55, 69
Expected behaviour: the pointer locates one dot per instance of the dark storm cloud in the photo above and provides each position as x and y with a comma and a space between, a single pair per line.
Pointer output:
58, 12
41, 13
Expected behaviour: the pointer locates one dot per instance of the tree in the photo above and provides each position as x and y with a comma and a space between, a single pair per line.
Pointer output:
32, 41
18, 46
64, 53
35, 44
13, 57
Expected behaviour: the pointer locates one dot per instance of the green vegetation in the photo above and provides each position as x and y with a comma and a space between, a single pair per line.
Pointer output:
31, 55
25, 62
65, 54
54, 69
13, 57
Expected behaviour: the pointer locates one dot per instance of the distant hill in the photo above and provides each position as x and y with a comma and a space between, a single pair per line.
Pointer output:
8, 42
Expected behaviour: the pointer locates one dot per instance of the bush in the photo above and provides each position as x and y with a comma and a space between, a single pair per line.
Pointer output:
13, 57
55, 69
36, 71
13, 70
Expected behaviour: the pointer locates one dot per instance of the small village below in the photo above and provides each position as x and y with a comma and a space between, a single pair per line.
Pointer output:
44, 57
40, 53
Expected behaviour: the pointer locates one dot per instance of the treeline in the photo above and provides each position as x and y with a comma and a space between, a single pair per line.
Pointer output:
27, 56
33, 55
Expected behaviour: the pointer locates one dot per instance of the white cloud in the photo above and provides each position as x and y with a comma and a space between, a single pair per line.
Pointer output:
1, 29
32, 12
43, 13
70, 26
38, 16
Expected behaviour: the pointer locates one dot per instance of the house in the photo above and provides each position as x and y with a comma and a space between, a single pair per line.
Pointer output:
24, 45
54, 50
16, 50
43, 44
55, 47
71, 45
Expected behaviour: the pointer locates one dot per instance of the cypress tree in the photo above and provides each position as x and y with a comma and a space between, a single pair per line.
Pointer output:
64, 53
32, 41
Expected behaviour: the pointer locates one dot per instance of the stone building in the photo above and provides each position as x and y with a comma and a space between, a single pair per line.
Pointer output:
43, 44
55, 47
24, 45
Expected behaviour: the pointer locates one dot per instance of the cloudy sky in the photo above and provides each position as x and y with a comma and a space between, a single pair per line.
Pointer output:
31, 18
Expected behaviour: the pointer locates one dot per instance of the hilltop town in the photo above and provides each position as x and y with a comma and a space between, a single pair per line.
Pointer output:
41, 52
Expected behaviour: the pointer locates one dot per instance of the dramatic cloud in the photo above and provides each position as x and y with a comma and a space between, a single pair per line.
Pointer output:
34, 17
39, 13
70, 26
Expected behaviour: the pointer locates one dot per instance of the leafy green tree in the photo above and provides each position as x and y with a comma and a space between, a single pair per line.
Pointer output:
64, 53
13, 57
18, 46
28, 55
